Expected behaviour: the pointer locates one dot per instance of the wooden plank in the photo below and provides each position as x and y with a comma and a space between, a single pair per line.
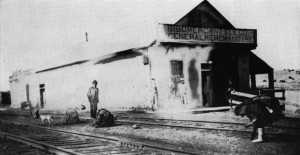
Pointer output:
243, 94
236, 102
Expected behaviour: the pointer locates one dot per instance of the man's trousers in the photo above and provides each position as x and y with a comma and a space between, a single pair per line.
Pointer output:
93, 109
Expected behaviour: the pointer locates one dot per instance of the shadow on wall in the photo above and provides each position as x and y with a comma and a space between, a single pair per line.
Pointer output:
193, 78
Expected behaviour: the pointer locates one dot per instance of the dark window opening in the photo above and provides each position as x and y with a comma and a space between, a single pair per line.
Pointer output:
42, 95
176, 67
206, 66
176, 74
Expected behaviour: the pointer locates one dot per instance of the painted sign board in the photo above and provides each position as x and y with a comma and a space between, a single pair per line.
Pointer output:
185, 34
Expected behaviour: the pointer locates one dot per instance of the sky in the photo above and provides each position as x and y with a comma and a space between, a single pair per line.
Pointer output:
38, 34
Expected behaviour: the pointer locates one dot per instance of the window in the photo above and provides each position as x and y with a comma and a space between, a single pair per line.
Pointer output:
176, 67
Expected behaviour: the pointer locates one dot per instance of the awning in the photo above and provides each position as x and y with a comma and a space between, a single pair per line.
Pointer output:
257, 65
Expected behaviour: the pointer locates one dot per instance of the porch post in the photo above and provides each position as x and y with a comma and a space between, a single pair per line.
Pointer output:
253, 81
243, 70
271, 80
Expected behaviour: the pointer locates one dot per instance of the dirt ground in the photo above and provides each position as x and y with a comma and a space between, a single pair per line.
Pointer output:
196, 140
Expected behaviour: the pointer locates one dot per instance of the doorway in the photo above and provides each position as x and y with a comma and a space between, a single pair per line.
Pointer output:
207, 89
42, 95
232, 71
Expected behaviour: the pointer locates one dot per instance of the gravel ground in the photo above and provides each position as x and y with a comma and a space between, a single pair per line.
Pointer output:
203, 141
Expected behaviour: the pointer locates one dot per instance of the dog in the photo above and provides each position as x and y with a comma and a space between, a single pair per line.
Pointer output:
72, 116
46, 118
104, 118
81, 107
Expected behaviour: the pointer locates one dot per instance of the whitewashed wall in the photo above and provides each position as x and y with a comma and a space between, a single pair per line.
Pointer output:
161, 70
18, 89
122, 84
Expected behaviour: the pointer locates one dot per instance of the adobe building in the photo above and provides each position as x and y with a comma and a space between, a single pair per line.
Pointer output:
203, 49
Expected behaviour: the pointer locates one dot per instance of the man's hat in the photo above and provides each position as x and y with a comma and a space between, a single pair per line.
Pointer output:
94, 82
181, 79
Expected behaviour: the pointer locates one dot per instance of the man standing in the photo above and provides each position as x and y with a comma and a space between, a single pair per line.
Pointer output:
93, 98
154, 98
228, 93
182, 91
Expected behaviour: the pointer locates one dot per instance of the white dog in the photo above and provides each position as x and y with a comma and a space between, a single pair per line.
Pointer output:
46, 118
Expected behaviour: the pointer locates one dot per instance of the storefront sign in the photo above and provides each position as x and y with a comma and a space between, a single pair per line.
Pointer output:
173, 33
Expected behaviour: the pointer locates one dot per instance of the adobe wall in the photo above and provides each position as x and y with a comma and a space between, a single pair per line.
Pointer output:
192, 57
122, 84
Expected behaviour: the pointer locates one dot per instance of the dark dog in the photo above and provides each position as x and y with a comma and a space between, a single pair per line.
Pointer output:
104, 118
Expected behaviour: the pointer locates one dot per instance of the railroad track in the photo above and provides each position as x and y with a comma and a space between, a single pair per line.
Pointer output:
67, 142
201, 124
206, 125
10, 146
199, 121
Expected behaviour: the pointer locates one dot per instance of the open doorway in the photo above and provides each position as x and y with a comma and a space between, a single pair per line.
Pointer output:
42, 95
206, 84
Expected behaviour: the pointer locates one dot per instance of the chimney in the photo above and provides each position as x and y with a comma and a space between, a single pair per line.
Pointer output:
86, 37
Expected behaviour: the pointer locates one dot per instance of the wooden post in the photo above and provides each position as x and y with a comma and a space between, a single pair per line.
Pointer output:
253, 81
243, 70
86, 37
27, 92
271, 80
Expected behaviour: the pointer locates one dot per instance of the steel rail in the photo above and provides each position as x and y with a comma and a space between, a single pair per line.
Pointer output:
196, 121
122, 142
204, 128
202, 121
37, 144
182, 126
